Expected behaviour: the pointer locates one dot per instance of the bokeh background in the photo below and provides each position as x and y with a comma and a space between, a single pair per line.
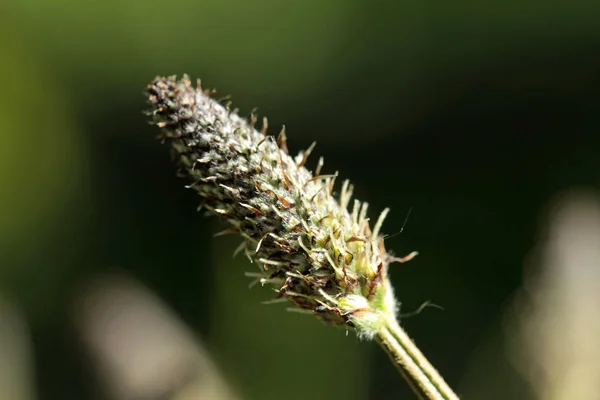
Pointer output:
481, 117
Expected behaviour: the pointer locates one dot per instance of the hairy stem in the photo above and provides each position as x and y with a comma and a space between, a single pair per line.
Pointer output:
418, 372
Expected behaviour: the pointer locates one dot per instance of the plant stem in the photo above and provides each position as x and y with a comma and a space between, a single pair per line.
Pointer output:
421, 376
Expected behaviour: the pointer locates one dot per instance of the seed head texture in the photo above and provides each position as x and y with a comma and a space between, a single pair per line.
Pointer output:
316, 250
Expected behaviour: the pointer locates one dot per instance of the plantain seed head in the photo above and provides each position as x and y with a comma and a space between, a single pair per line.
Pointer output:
316, 250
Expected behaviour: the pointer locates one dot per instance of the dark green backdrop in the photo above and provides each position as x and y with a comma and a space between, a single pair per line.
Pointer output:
474, 114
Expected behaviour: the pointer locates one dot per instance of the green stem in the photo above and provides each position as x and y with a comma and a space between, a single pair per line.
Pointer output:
422, 377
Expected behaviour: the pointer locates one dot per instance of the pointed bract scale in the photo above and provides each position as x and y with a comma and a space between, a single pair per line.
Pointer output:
282, 140
265, 126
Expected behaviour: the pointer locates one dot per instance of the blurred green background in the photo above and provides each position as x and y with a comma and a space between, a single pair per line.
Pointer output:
475, 114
